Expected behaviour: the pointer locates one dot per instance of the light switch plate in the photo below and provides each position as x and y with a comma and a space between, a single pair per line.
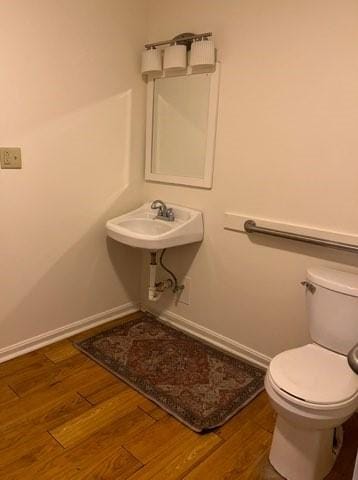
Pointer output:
10, 157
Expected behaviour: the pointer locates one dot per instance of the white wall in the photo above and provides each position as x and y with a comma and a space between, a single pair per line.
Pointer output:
72, 98
287, 149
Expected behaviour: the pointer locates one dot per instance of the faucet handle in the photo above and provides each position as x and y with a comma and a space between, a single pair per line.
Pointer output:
170, 214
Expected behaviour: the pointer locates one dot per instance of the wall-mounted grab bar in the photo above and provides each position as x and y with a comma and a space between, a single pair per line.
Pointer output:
251, 227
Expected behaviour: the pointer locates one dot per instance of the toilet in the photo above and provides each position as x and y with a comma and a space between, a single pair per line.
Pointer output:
312, 388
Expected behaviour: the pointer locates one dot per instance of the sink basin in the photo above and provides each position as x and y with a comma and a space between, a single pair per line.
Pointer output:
140, 228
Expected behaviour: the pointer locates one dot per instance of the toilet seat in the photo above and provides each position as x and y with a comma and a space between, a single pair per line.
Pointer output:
313, 376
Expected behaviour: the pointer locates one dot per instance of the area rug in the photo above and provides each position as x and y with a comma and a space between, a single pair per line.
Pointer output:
200, 385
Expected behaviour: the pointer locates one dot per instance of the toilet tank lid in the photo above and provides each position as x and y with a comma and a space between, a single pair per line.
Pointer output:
336, 280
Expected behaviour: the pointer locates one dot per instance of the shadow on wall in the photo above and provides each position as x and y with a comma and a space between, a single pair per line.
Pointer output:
60, 269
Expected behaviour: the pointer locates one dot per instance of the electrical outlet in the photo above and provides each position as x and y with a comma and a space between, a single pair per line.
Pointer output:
10, 157
184, 296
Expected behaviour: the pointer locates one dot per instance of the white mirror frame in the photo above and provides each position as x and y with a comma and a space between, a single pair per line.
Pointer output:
207, 180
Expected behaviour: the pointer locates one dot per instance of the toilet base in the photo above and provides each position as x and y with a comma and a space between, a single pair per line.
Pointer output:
299, 454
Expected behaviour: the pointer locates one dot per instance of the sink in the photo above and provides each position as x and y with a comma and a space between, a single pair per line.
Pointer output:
140, 228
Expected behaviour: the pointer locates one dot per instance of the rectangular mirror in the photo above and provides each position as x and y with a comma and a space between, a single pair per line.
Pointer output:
181, 126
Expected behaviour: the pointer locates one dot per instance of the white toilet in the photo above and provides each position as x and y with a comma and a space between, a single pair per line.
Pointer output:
312, 388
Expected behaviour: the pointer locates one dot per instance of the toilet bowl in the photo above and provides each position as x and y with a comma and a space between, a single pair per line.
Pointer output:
313, 391
312, 388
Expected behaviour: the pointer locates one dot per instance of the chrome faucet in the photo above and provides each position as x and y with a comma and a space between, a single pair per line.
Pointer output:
164, 213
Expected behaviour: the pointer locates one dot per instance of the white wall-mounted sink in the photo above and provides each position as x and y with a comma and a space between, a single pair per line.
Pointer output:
140, 228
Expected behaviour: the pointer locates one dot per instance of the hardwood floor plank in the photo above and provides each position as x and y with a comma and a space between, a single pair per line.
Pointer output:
81, 427
86, 379
110, 391
28, 381
30, 371
18, 431
152, 409
88, 456
260, 469
100, 384
7, 394
20, 363
174, 463
19, 457
235, 456
50, 394
109, 438
119, 465
23, 443
159, 438
57, 352
266, 418
20, 408
47, 394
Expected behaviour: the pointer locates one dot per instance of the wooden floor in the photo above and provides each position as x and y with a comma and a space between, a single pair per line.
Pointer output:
62, 416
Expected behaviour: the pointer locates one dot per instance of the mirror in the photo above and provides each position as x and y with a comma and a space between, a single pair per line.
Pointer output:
181, 125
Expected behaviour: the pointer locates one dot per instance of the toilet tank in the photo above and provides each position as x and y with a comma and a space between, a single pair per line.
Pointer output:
332, 307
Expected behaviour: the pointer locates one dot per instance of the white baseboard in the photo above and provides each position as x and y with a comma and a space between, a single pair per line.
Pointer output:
213, 338
53, 336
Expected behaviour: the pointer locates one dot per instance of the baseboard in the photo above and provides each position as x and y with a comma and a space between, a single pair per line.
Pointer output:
213, 338
58, 334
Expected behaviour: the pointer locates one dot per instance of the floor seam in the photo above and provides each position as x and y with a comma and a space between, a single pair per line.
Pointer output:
148, 413
48, 431
132, 455
207, 455
85, 399
13, 391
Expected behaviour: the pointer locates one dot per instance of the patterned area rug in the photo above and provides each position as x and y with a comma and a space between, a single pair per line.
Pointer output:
198, 384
